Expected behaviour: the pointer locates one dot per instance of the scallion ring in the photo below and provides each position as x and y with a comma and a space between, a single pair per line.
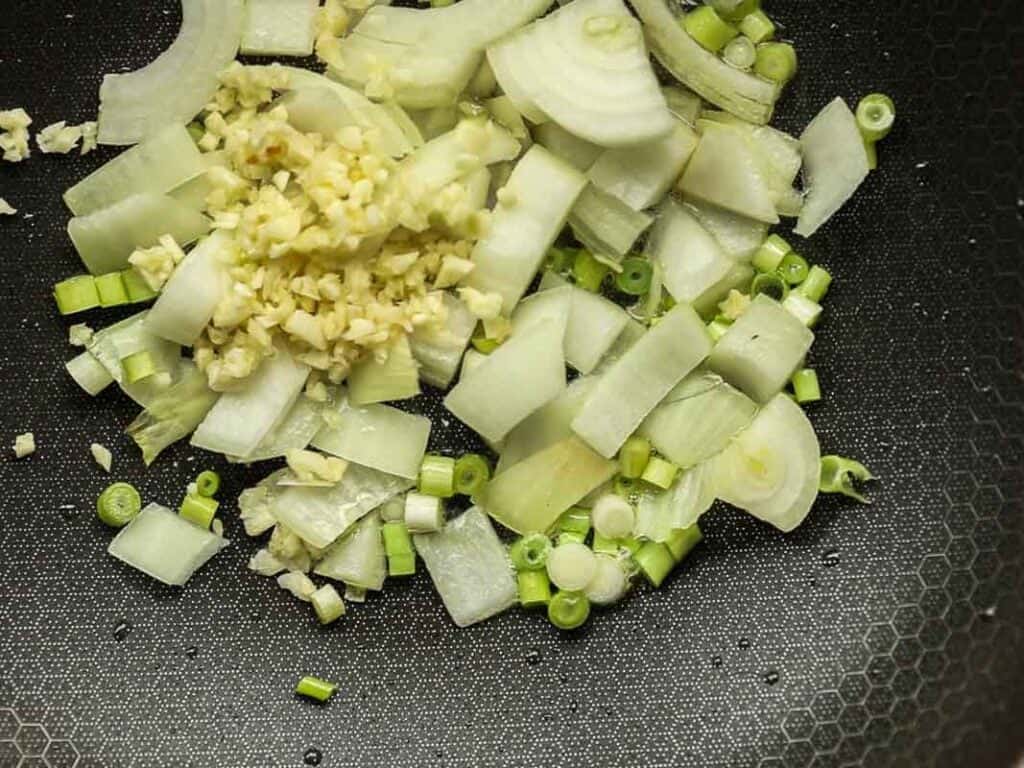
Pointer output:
118, 505
471, 474
635, 277
568, 610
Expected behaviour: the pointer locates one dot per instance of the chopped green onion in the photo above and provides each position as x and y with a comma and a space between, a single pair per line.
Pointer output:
111, 289
530, 552
393, 510
757, 26
402, 565
588, 272
794, 268
198, 510
682, 541
717, 329
626, 487
605, 546
76, 294
440, 3
355, 594
574, 525
138, 366
471, 474
423, 513
633, 457
534, 588
613, 517
483, 345
437, 476
136, 287
876, 115
571, 566
805, 386
709, 29
735, 10
560, 260
396, 539
208, 483
771, 285
655, 561
328, 604
776, 62
771, 253
631, 544
816, 285
838, 474
740, 53
872, 152
803, 309
635, 277
118, 505
568, 610
315, 688
660, 473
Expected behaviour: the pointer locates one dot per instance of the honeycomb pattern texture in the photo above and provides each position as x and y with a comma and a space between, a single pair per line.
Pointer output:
883, 635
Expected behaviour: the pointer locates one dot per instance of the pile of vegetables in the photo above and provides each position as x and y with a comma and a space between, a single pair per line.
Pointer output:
494, 198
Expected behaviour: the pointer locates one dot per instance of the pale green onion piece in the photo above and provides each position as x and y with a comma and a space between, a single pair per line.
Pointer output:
660, 473
802, 308
838, 474
207, 483
377, 436
717, 329
471, 474
577, 152
740, 53
111, 290
111, 344
423, 514
136, 287
393, 510
359, 558
102, 456
655, 562
437, 476
573, 526
683, 103
757, 26
534, 588
469, 567
776, 62
438, 351
691, 260
89, 373
198, 510
568, 610
279, 27
355, 594
613, 517
315, 688
504, 111
876, 115
609, 584
682, 541
165, 546
396, 377
816, 285
633, 457
530, 552
327, 604
805, 386
571, 566
771, 253
76, 294
118, 505
172, 414
605, 225
709, 29
138, 366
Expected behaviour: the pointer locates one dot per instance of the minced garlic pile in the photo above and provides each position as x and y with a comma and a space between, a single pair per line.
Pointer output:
330, 248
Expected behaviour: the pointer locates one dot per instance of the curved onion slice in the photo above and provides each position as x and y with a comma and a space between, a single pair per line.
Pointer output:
691, 259
174, 87
586, 68
745, 95
771, 469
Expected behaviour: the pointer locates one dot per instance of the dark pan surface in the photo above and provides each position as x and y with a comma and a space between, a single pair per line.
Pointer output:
896, 630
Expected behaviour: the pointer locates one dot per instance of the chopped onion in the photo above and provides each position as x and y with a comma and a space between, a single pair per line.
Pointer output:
173, 88
242, 418
691, 260
762, 349
638, 381
552, 306
431, 123
772, 468
195, 191
523, 374
539, 195
594, 324
128, 337
172, 414
631, 334
585, 67
438, 351
835, 165
571, 566
196, 287
378, 381
295, 432
156, 166
469, 567
320, 515
683, 103
358, 558
745, 95
697, 419
165, 545
640, 176
605, 225
279, 27
658, 514
738, 236
89, 373
577, 152
610, 582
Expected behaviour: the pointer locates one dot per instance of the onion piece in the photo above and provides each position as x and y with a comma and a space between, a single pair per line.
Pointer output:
571, 566
745, 95
469, 567
165, 545
173, 414
605, 225
295, 432
691, 260
835, 165
174, 87
279, 27
594, 324
586, 68
128, 337
738, 236
378, 381
610, 582
376, 436
439, 350
577, 152
89, 373
772, 468
659, 514
358, 558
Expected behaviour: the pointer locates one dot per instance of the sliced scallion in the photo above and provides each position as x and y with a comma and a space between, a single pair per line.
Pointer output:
757, 26
613, 517
588, 272
602, 545
771, 253
717, 329
806, 387
740, 52
118, 505
199, 510
794, 268
437, 476
471, 474
534, 588
111, 290
208, 483
682, 541
315, 688
139, 366
816, 285
530, 552
771, 285
423, 513
660, 473
76, 294
709, 29
655, 561
635, 277
571, 566
838, 475
328, 604
776, 62
568, 610
574, 525
876, 115
802, 308
633, 457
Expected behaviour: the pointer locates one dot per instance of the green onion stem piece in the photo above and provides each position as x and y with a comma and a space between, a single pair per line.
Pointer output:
315, 688
740, 53
327, 604
660, 473
397, 540
635, 277
717, 329
437, 476
588, 271
605, 546
816, 285
633, 457
757, 26
776, 62
440, 3
794, 268
631, 544
709, 29
771, 253
655, 561
76, 294
626, 487
111, 290
806, 387
803, 309
575, 524
208, 483
138, 366
136, 287
402, 564
199, 510
682, 541
534, 588
568, 610
471, 474
838, 474
872, 152
560, 259
530, 552
733, 11
118, 505
876, 115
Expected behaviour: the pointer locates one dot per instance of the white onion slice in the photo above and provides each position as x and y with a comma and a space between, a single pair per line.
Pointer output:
377, 436
571, 566
439, 350
691, 259
609, 584
358, 558
577, 152
174, 87
279, 27
594, 324
585, 67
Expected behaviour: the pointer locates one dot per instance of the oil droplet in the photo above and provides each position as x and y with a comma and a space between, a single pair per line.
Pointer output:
771, 677
830, 559
533, 657
439, 753
988, 614
122, 630
744, 643
922, 165
716, 661
312, 756
192, 651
